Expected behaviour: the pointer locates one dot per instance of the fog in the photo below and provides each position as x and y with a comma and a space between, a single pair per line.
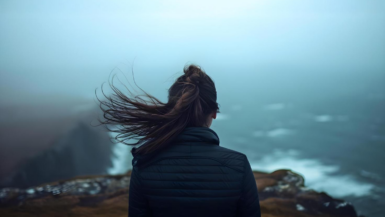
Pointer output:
68, 48
300, 83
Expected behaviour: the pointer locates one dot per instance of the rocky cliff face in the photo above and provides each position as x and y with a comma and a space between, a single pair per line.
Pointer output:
50, 143
282, 193
82, 150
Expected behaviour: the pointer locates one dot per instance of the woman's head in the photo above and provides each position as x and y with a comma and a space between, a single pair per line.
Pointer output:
194, 96
192, 102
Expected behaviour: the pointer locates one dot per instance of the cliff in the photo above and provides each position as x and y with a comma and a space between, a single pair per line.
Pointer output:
282, 193
52, 142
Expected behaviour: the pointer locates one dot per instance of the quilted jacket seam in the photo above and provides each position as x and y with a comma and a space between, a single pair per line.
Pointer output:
244, 174
223, 189
206, 152
156, 180
193, 157
193, 173
168, 196
196, 165
185, 180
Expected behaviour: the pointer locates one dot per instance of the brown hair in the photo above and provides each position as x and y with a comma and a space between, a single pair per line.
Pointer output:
155, 124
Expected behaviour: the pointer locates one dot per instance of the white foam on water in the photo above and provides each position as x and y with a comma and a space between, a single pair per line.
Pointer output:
274, 133
317, 176
323, 118
343, 185
121, 161
278, 132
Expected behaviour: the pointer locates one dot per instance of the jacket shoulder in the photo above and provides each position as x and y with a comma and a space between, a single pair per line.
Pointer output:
230, 158
228, 150
227, 153
225, 156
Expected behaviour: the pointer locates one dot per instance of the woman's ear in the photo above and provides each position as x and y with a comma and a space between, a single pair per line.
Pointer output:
214, 115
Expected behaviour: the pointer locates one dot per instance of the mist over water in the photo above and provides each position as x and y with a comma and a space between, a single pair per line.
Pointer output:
300, 83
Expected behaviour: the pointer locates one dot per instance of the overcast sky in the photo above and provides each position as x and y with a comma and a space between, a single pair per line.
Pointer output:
68, 48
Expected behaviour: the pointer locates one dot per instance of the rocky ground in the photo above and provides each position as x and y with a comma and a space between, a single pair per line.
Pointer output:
282, 193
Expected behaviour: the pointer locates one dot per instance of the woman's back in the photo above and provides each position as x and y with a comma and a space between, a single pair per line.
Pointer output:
194, 176
179, 169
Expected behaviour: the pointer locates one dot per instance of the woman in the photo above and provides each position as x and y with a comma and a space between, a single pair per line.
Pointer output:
179, 169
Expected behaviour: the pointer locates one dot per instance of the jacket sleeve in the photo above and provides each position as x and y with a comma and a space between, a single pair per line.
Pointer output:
249, 201
137, 203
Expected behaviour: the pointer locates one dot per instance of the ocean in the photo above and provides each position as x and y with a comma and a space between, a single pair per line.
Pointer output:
337, 145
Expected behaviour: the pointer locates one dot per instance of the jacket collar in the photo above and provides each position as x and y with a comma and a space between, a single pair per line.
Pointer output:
197, 135
188, 135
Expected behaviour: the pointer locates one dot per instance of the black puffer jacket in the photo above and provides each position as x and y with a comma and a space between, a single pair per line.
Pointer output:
194, 176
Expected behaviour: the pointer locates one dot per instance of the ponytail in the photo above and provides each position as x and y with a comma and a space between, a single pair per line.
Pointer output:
154, 124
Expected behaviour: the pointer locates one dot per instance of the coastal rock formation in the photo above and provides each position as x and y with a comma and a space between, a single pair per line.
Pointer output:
52, 142
281, 193
84, 150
